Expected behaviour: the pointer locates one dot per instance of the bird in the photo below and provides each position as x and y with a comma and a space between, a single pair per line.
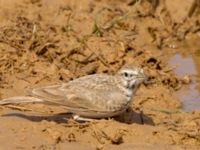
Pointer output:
89, 97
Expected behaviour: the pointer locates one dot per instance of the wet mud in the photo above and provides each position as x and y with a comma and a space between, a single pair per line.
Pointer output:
43, 42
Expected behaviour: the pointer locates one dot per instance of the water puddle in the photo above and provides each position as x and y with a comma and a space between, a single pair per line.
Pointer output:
188, 65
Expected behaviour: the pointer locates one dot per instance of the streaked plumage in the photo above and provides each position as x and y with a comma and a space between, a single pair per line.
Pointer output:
92, 96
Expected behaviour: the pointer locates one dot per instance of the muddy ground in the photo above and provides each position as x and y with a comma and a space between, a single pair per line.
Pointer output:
43, 42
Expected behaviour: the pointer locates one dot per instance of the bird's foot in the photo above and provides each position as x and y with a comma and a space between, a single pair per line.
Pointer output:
82, 119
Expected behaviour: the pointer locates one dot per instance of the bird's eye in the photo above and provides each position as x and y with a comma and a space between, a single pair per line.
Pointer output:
125, 74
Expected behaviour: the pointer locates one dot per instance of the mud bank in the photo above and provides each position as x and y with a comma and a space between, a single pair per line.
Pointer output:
44, 42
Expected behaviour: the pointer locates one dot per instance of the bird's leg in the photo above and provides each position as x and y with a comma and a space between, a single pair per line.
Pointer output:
78, 118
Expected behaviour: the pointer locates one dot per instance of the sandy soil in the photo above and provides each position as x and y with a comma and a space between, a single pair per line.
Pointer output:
44, 42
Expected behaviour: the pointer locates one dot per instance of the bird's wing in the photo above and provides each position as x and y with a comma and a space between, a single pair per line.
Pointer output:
82, 97
75, 89
59, 95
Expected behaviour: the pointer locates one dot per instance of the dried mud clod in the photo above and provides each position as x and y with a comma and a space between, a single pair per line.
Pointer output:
46, 43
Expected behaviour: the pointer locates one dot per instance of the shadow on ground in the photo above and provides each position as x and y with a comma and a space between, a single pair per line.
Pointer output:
128, 117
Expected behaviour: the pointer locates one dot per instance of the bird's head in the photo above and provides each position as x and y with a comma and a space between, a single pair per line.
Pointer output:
131, 76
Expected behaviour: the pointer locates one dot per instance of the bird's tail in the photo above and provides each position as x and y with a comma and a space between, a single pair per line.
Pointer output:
19, 100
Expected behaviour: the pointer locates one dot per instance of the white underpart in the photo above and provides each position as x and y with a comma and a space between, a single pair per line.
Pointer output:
127, 91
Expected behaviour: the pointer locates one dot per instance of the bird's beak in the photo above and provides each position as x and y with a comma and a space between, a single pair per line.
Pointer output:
141, 76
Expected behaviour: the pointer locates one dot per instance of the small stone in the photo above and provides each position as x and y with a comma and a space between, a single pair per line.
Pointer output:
99, 147
65, 74
186, 79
